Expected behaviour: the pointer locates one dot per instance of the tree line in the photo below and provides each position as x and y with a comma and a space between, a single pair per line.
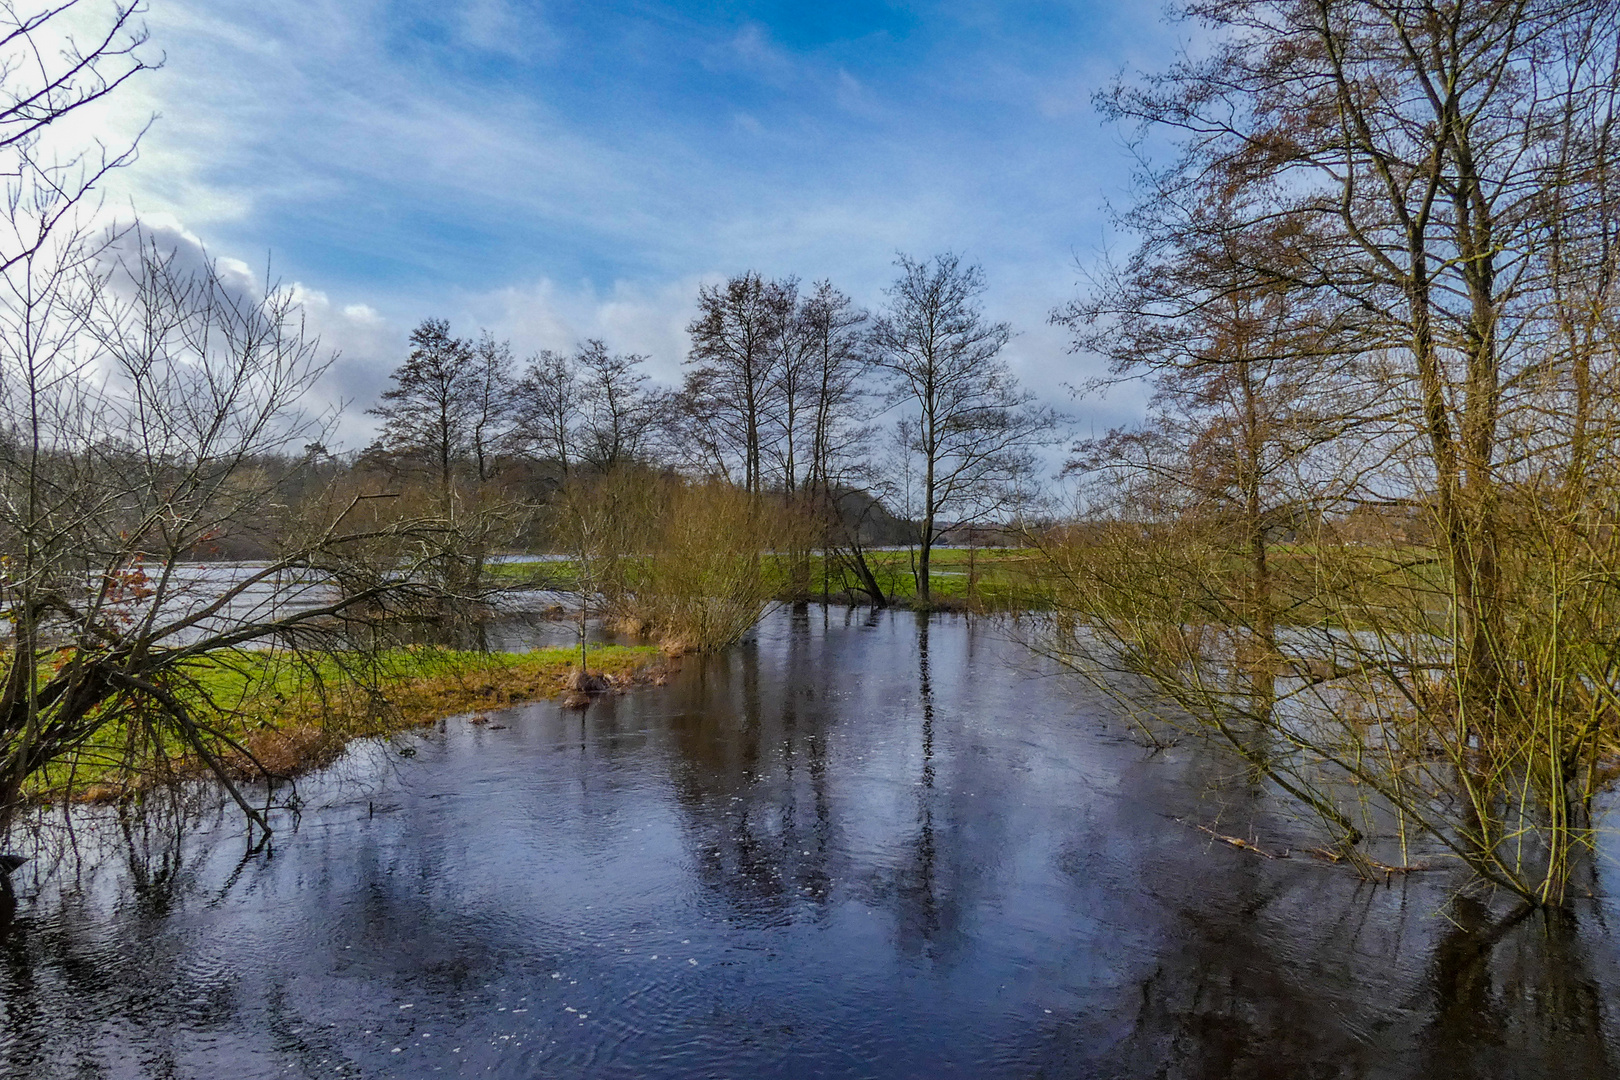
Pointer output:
788, 394
155, 412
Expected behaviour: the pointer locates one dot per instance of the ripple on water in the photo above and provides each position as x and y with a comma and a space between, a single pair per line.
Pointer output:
842, 849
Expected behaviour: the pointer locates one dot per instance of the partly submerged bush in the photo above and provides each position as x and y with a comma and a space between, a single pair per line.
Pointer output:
705, 584
683, 561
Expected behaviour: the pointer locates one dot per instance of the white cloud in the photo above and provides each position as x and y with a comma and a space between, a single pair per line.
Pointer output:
367, 349
630, 317
312, 109
501, 27
366, 345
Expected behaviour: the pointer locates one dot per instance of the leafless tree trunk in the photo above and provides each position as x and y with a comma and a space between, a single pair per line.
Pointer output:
491, 406
967, 421
1432, 184
732, 376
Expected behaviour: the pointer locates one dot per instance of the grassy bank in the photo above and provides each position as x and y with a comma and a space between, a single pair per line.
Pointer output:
1028, 579
983, 579
994, 579
268, 713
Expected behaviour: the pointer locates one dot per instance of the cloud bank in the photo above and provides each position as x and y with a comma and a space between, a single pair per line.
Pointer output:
566, 170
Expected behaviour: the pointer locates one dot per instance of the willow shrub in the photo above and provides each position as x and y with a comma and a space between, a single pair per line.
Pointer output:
1342, 682
690, 563
706, 580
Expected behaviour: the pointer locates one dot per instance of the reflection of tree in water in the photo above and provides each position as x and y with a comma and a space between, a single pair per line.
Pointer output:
1259, 984
60, 974
1255, 986
1260, 968
125, 961
949, 870
752, 774
1229, 999
753, 777
918, 883
1514, 994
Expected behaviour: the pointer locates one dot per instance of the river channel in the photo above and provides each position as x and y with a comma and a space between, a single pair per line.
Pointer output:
854, 846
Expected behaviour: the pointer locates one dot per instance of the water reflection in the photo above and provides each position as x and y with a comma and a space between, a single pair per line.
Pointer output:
1528, 994
863, 845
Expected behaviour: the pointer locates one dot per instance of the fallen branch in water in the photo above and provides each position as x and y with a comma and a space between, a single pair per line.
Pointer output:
1362, 863
1241, 844
1383, 868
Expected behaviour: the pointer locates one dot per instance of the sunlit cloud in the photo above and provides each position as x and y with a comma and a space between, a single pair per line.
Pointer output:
560, 171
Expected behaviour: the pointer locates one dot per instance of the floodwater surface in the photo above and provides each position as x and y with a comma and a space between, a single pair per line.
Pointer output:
885, 846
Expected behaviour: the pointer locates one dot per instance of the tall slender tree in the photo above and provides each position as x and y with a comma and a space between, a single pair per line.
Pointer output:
789, 433
492, 403
429, 412
730, 385
619, 410
833, 323
840, 429
971, 428
547, 407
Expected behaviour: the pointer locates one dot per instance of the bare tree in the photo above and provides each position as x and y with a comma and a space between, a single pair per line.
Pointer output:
139, 399
619, 411
547, 406
731, 385
791, 409
1252, 387
448, 416
53, 63
840, 433
491, 406
967, 422
1434, 183
429, 412
839, 363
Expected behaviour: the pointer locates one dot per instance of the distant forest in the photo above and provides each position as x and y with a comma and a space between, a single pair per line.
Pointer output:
901, 426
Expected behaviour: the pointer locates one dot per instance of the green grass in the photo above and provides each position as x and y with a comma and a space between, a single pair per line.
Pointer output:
988, 578
985, 578
293, 716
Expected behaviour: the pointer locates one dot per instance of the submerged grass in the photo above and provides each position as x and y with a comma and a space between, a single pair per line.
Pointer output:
274, 713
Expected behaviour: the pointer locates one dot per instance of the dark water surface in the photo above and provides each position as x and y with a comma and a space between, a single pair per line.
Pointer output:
880, 848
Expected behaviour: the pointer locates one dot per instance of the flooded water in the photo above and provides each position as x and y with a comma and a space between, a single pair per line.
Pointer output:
864, 847
223, 596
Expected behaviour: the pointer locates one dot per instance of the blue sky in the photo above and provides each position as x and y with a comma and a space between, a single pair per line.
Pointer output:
556, 170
